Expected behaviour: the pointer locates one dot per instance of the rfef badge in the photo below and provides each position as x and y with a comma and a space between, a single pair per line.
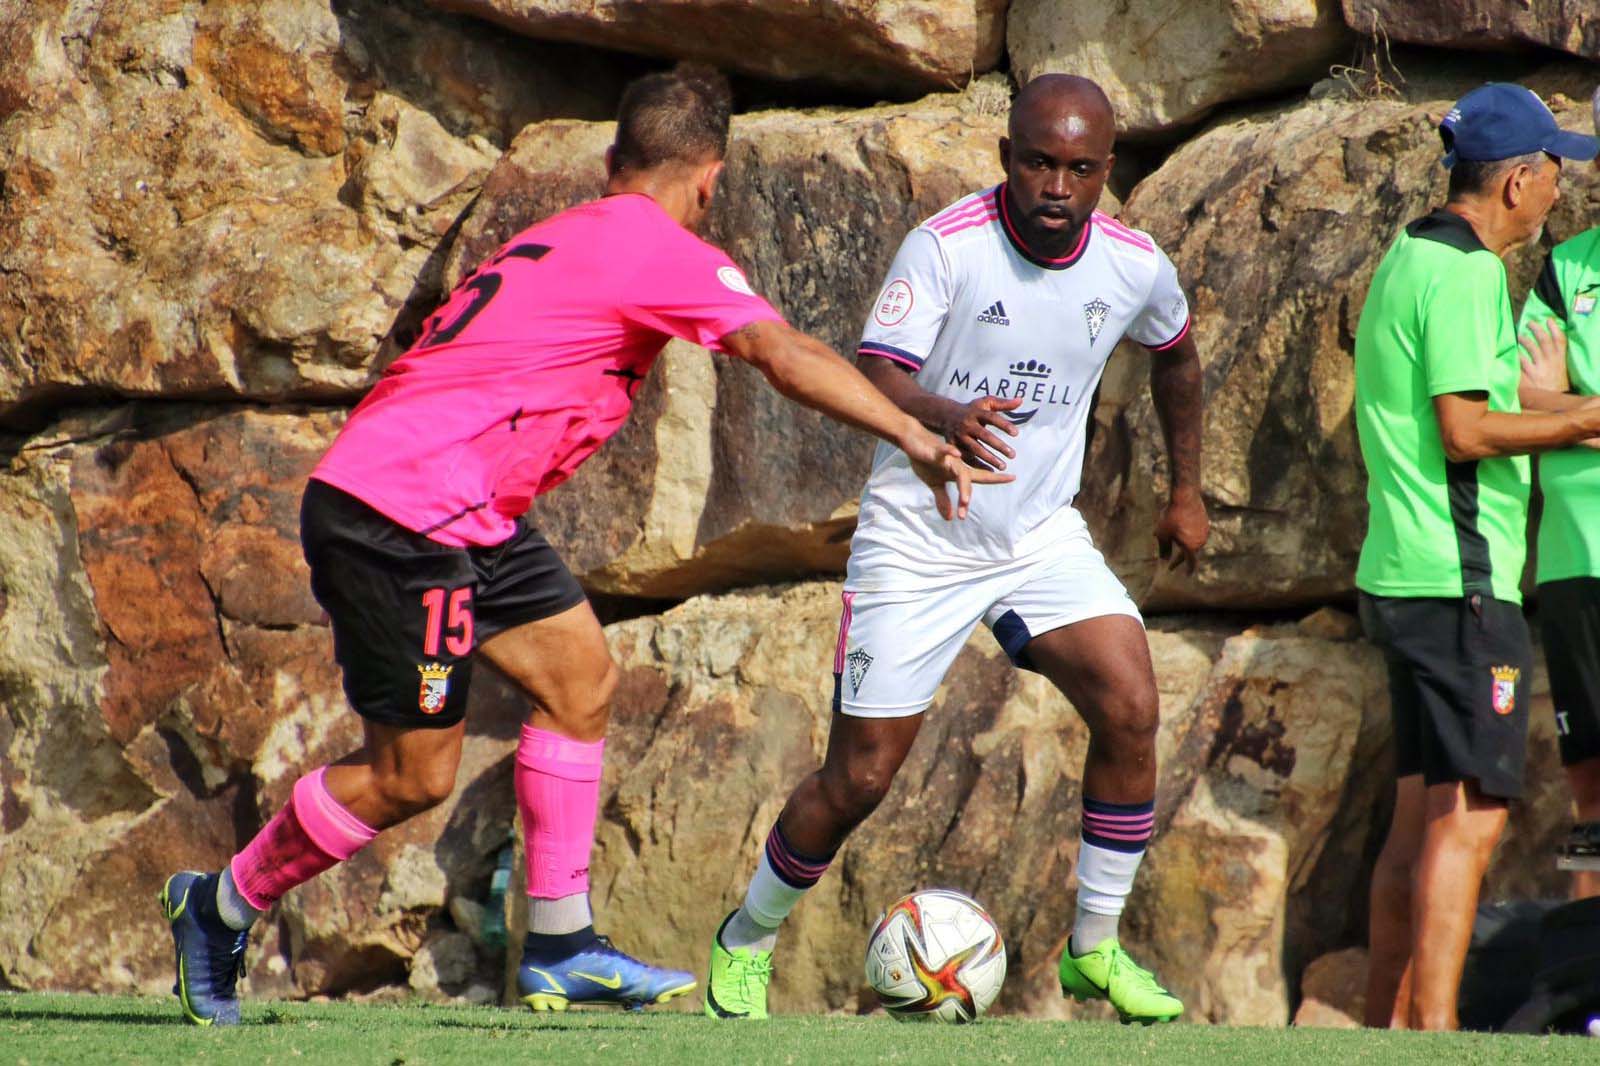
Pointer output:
435, 687
1505, 688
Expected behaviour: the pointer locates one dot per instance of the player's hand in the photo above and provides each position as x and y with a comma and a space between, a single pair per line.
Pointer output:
969, 428
1183, 529
1544, 357
938, 463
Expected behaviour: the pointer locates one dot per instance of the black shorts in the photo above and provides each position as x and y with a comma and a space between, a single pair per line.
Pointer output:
1569, 622
1459, 673
407, 611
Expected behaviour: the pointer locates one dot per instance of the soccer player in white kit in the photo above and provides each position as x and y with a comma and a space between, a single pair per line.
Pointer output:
993, 327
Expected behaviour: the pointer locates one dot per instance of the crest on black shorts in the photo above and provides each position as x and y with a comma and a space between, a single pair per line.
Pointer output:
435, 687
1505, 688
1095, 312
858, 661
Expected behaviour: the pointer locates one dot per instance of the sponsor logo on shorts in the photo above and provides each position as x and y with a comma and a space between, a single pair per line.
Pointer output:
435, 687
1095, 312
894, 303
858, 662
1505, 688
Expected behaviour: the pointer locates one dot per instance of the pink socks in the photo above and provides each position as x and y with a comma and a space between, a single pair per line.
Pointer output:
558, 793
312, 833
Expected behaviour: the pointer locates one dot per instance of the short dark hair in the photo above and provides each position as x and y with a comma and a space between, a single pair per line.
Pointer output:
1472, 177
679, 115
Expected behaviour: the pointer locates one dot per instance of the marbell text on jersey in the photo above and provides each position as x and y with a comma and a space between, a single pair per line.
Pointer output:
1027, 380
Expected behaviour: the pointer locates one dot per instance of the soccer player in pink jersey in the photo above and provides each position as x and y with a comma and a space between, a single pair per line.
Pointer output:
415, 531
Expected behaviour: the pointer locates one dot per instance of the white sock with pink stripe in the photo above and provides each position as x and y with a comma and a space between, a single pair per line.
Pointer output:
782, 876
1114, 839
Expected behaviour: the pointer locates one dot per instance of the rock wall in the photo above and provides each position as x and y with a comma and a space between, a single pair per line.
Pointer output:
218, 221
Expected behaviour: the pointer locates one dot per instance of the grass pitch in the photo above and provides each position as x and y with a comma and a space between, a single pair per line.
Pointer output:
82, 1030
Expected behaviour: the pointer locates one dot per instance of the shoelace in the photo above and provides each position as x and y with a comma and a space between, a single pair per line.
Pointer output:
1123, 961
225, 962
757, 974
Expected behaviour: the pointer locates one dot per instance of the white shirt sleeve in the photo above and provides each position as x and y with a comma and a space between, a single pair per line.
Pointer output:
1164, 319
910, 309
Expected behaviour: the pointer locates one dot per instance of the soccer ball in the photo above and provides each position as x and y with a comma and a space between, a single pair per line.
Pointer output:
936, 955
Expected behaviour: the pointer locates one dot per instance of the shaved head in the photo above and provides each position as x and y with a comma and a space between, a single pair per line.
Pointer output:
1063, 101
1057, 156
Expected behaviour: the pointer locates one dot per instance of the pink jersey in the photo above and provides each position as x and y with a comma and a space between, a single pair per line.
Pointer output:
531, 365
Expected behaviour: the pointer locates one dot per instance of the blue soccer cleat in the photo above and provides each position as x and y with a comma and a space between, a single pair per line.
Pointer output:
210, 956
599, 974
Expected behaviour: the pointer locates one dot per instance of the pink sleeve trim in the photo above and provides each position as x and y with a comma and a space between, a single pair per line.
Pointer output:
1182, 333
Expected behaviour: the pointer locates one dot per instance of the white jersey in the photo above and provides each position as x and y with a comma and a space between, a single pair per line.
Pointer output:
972, 313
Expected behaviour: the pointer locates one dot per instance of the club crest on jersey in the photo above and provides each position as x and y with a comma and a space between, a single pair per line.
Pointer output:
1095, 312
858, 661
435, 687
1583, 305
994, 315
1505, 688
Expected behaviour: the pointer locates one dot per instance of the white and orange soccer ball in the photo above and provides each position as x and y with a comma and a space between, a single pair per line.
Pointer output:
936, 955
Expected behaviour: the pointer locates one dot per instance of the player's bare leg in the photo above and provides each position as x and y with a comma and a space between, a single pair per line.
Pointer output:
1103, 666
563, 666
1584, 779
1463, 826
397, 774
862, 758
332, 813
1388, 1002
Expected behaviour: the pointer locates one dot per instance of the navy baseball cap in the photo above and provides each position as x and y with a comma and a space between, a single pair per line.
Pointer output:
1500, 121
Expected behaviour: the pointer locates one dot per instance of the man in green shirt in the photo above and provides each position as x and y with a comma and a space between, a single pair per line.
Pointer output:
1567, 297
1445, 445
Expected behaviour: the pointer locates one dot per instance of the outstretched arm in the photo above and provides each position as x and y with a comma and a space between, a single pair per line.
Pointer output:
969, 426
807, 371
1178, 389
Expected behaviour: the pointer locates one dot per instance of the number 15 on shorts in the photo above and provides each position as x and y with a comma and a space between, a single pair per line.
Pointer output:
449, 622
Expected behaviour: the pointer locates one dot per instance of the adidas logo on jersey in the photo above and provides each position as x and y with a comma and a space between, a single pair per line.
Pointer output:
995, 315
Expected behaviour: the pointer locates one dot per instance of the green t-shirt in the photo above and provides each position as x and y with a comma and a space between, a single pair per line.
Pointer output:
1437, 319
1569, 289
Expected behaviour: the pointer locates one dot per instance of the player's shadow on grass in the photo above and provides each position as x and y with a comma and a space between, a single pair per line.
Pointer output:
76, 1013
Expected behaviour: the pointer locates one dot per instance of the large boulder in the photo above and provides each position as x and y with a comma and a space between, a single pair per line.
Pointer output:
167, 677
1276, 223
895, 47
237, 199
1482, 25
1166, 63
717, 481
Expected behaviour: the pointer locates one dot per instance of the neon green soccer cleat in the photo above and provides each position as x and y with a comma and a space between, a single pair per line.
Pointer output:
737, 985
1106, 972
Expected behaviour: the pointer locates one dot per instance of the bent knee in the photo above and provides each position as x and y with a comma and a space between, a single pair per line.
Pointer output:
415, 791
858, 792
584, 707
1130, 720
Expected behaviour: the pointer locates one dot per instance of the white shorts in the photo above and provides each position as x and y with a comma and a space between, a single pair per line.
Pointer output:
895, 647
